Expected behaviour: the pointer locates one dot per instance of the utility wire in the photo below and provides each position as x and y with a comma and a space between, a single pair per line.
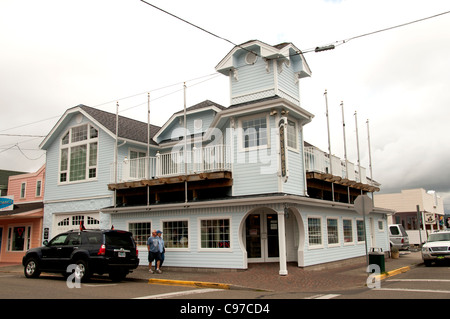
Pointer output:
196, 26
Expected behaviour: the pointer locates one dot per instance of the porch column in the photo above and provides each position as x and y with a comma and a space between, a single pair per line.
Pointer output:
282, 243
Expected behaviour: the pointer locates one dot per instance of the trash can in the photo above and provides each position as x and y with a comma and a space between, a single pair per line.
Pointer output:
376, 256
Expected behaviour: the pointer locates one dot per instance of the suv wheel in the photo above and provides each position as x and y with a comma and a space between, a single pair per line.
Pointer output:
82, 270
32, 269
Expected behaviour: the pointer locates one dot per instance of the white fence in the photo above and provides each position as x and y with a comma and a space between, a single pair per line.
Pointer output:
198, 160
319, 161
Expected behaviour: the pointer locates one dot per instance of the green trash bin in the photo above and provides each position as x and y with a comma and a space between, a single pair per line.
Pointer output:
376, 256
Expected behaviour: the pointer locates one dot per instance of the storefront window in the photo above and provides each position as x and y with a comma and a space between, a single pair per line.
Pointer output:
19, 238
176, 234
215, 233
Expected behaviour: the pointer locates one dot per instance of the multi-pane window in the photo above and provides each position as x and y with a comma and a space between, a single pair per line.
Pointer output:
79, 148
19, 238
176, 234
141, 232
314, 231
254, 132
333, 231
348, 230
215, 233
292, 134
38, 188
77, 220
23, 188
360, 229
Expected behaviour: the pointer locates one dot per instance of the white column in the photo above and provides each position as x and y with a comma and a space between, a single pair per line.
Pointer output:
282, 243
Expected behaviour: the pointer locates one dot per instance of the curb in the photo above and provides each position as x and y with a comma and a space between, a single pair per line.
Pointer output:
202, 284
197, 284
393, 272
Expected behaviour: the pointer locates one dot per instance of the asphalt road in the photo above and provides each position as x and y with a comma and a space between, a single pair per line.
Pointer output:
419, 283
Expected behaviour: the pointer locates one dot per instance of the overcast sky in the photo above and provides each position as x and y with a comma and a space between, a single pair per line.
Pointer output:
56, 54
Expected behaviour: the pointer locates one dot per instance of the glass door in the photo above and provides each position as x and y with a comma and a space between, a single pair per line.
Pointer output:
262, 237
272, 236
253, 236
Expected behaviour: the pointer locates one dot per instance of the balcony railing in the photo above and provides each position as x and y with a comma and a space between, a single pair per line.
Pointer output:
319, 161
198, 160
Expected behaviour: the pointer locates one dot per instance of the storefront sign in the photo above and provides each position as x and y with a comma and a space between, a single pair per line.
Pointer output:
6, 203
283, 150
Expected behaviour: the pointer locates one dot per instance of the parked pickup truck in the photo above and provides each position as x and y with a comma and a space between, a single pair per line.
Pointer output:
398, 237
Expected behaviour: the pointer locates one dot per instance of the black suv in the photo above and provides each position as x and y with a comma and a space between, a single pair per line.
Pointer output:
91, 251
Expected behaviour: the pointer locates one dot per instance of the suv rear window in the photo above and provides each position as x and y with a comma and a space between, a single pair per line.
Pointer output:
118, 239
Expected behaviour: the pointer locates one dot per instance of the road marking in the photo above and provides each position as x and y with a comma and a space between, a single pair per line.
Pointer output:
321, 296
413, 290
421, 280
99, 285
179, 293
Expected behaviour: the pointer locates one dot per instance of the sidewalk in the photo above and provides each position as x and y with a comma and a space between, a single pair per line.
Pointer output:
265, 276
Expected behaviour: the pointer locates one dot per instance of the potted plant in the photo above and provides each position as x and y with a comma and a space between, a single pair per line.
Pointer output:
395, 253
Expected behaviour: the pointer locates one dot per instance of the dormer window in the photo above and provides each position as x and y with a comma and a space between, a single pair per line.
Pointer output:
251, 58
78, 161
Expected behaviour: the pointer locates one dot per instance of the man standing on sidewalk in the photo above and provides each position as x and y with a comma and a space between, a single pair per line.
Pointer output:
153, 244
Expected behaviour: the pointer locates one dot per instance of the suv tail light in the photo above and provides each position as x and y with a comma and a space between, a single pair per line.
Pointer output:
137, 252
102, 250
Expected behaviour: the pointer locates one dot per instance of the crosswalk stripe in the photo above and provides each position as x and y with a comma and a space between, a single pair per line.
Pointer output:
322, 296
180, 293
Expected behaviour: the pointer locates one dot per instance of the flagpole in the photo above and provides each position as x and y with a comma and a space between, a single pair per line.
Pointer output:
329, 146
357, 147
148, 147
185, 146
345, 150
370, 156
116, 164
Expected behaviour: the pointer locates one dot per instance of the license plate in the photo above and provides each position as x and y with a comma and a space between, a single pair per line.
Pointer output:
440, 257
122, 254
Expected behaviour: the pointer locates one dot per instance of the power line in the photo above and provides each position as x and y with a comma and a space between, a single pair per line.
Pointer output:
340, 42
196, 26
22, 135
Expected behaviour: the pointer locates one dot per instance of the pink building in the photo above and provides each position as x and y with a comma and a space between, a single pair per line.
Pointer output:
21, 223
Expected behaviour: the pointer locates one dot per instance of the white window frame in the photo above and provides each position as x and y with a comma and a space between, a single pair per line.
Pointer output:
297, 137
337, 230
23, 190
241, 133
352, 242
70, 145
226, 249
139, 221
188, 248
39, 181
28, 233
315, 245
364, 235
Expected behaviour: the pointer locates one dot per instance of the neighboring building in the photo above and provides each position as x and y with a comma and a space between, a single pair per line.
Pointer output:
4, 175
431, 208
229, 190
21, 226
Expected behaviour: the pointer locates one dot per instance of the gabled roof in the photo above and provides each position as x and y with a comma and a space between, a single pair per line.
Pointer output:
282, 50
129, 129
199, 107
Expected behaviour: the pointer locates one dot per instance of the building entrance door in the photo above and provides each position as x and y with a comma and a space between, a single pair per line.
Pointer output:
261, 232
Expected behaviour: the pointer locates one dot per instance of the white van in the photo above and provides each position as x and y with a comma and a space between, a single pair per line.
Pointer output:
398, 237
